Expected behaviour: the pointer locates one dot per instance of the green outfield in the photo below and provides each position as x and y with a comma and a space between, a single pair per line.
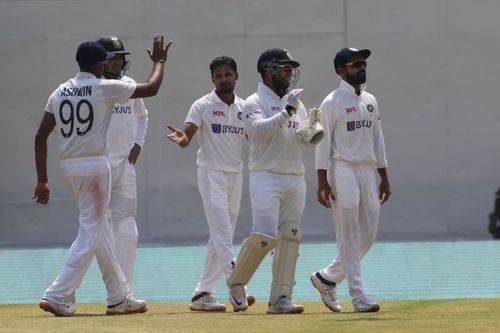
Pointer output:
460, 315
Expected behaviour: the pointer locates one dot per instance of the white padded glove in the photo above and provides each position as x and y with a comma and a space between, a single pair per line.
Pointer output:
293, 101
310, 129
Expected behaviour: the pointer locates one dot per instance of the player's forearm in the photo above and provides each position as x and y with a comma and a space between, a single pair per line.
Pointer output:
265, 127
383, 175
322, 176
153, 83
156, 76
141, 127
41, 159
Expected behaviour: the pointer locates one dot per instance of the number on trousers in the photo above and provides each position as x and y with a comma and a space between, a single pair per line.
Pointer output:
83, 116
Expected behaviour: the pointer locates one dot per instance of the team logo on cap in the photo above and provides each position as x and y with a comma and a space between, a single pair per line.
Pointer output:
288, 54
369, 107
353, 49
116, 43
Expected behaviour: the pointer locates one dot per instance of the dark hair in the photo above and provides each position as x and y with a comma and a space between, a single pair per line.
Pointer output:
223, 60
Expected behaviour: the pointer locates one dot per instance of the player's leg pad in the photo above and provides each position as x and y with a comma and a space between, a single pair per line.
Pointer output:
285, 260
254, 249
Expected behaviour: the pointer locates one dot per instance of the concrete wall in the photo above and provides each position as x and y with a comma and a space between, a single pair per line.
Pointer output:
433, 71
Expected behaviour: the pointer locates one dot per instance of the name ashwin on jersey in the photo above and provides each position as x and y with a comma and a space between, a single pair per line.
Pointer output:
77, 91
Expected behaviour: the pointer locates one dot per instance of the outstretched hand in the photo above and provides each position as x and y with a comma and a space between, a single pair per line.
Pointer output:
177, 136
159, 53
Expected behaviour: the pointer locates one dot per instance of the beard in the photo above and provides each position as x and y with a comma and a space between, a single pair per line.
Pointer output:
112, 74
225, 88
280, 86
357, 78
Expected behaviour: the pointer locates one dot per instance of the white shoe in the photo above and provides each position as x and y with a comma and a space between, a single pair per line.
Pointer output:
66, 309
205, 302
238, 297
128, 306
365, 304
284, 306
327, 290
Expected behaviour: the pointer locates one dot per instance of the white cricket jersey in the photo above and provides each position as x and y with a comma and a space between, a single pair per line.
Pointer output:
82, 109
128, 126
221, 133
274, 144
352, 129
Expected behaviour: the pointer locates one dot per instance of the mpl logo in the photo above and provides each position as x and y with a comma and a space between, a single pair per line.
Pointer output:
216, 128
218, 113
350, 110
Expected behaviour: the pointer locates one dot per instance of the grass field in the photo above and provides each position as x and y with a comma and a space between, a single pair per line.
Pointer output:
467, 315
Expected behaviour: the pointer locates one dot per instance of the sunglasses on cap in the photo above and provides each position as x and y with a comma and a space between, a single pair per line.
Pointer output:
356, 63
285, 66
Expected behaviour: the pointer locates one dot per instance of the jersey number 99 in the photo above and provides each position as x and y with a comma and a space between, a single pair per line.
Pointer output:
83, 116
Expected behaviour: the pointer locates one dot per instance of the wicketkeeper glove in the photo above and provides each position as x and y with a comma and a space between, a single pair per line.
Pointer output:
310, 129
293, 101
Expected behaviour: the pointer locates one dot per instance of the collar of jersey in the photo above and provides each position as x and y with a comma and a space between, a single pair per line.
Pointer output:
263, 89
216, 98
85, 75
350, 89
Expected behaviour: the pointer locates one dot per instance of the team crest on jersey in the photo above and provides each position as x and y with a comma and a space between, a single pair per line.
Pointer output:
350, 110
275, 108
369, 107
240, 115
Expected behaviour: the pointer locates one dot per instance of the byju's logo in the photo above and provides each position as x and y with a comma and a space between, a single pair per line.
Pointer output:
216, 128
352, 125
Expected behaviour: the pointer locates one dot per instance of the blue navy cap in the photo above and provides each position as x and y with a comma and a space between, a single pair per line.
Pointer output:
92, 53
346, 54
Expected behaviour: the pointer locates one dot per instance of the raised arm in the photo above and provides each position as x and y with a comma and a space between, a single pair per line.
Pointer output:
158, 55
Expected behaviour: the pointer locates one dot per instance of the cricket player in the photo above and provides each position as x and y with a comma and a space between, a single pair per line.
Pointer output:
126, 135
80, 111
277, 186
347, 162
217, 117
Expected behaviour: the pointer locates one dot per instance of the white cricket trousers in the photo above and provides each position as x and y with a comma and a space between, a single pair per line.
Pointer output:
122, 210
221, 195
89, 179
356, 215
276, 198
